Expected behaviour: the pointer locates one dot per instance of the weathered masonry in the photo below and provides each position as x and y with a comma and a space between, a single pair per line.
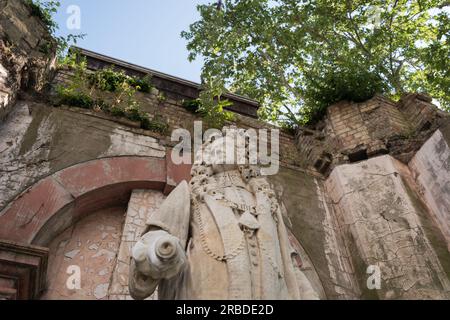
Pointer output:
368, 186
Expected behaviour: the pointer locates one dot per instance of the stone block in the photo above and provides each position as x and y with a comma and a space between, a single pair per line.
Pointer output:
431, 171
386, 224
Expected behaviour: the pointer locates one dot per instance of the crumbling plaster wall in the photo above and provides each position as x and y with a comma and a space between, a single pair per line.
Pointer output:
90, 245
38, 140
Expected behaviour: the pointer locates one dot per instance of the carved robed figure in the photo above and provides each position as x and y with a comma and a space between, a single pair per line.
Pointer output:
220, 237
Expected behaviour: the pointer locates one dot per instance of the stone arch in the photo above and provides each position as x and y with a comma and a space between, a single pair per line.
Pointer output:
63, 197
46, 209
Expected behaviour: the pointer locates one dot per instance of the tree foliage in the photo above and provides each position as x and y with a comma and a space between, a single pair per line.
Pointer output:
295, 56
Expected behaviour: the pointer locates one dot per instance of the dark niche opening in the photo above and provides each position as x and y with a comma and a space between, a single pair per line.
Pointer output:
359, 155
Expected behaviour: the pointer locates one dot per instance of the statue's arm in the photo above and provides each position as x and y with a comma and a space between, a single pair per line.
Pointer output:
160, 253
174, 214
141, 286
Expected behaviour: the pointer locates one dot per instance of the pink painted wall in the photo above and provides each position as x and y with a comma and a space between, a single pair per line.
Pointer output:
92, 245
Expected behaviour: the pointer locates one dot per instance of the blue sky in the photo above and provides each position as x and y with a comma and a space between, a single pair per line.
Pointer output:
143, 32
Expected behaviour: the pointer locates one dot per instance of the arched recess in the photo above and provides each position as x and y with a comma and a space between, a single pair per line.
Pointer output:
33, 219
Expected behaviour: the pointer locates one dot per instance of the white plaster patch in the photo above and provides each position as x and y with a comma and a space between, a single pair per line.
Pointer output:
125, 143
3, 74
103, 272
4, 99
94, 247
110, 255
72, 254
101, 291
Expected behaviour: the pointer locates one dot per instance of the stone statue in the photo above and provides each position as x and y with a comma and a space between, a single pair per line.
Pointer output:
220, 237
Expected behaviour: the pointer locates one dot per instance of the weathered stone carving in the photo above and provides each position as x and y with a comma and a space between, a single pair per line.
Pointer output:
221, 237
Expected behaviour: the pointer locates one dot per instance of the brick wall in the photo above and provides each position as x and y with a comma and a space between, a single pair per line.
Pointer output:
346, 123
352, 131
366, 124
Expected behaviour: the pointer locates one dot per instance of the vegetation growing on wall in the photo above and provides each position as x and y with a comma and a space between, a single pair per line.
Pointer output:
335, 83
112, 80
44, 11
213, 113
211, 107
295, 57
107, 90
192, 105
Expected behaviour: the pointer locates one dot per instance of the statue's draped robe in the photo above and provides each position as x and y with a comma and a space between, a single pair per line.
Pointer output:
224, 261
